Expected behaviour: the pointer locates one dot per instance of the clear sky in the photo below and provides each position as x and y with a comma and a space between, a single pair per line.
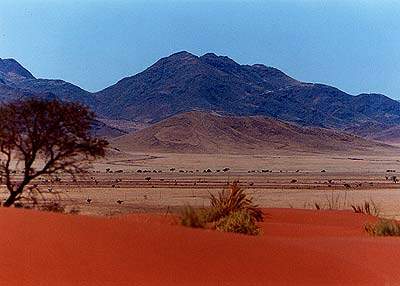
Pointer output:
351, 44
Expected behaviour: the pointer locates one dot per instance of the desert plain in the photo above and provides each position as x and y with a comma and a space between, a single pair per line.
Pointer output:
164, 182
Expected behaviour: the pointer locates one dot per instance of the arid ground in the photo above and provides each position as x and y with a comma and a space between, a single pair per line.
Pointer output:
166, 182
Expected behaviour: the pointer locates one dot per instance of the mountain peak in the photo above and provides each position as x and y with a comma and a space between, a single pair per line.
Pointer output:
182, 55
13, 68
218, 61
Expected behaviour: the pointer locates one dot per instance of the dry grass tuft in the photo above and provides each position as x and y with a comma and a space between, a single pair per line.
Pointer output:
383, 227
232, 200
192, 218
334, 201
368, 207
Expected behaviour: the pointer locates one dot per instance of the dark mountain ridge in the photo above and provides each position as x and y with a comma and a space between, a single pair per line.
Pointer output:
18, 82
11, 68
184, 82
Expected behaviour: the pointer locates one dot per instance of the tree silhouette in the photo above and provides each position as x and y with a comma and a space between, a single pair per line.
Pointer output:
41, 138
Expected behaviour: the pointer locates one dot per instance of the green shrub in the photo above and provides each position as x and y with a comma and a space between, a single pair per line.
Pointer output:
238, 222
384, 227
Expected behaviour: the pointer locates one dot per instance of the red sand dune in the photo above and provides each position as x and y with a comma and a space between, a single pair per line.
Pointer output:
298, 247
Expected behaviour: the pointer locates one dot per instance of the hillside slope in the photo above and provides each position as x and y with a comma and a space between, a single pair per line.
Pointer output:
199, 132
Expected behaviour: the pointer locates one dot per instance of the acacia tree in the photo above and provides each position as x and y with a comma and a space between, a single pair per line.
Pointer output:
42, 138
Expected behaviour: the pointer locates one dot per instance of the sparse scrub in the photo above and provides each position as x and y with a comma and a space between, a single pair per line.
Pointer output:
368, 207
339, 202
336, 201
383, 227
48, 206
192, 218
52, 207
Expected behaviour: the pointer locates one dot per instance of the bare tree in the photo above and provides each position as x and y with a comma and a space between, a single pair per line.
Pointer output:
41, 138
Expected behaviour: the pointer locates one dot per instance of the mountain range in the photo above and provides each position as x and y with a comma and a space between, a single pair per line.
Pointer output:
184, 82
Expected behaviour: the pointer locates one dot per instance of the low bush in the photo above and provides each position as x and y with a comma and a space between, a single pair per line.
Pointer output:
231, 210
238, 222
383, 227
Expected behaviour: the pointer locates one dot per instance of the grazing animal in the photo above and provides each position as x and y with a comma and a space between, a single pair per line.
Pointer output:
89, 201
120, 202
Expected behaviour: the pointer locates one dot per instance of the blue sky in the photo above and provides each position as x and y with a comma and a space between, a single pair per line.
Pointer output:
353, 45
